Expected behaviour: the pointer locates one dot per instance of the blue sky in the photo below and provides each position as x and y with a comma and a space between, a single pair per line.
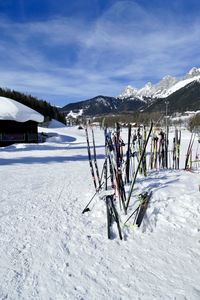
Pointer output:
69, 50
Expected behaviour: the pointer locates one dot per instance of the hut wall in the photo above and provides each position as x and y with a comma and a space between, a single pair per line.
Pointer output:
16, 132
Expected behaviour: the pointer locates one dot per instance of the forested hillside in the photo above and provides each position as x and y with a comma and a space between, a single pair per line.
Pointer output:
41, 106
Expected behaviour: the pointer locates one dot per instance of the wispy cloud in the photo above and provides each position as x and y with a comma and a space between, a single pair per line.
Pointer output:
72, 59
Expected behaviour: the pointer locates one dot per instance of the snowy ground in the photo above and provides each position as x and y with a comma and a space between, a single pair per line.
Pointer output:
50, 250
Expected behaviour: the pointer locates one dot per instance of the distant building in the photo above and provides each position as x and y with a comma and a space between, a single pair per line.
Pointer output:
74, 117
18, 123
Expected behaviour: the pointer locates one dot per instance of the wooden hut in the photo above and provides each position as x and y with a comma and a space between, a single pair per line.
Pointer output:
18, 123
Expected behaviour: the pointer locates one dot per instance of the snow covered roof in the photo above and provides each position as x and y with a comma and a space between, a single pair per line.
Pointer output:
75, 114
15, 111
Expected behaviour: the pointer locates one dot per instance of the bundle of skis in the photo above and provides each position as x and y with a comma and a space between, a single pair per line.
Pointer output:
161, 156
119, 170
124, 162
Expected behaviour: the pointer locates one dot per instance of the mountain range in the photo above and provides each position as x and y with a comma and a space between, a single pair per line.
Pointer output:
180, 95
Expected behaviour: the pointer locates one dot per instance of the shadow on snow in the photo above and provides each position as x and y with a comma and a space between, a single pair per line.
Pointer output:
45, 160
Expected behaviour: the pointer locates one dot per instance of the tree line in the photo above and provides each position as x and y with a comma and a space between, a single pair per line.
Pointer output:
194, 123
145, 118
136, 118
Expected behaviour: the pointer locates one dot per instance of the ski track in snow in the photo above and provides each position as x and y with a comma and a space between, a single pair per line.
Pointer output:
50, 250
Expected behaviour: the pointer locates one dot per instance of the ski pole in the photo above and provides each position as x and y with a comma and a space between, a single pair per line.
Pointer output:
87, 206
90, 160
95, 158
132, 214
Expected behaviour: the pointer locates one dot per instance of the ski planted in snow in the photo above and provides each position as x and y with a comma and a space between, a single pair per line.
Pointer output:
112, 216
144, 198
138, 167
128, 154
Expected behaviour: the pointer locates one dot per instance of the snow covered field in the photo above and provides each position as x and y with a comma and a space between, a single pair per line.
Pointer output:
50, 250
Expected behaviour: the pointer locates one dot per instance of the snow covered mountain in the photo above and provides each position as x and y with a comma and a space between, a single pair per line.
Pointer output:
167, 86
192, 73
181, 94
180, 98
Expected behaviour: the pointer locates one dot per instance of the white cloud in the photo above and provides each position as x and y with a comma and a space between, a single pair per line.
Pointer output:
126, 41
